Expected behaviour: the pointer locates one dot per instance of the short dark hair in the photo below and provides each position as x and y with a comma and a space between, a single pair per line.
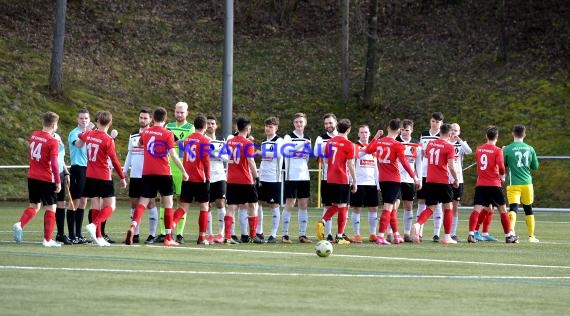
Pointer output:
326, 116
145, 110
438, 116
242, 123
519, 130
49, 118
159, 114
272, 121
83, 111
343, 125
492, 132
104, 118
200, 122
394, 124
211, 117
444, 129
407, 122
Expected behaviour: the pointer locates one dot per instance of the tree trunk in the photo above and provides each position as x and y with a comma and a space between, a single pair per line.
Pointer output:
56, 69
345, 8
503, 40
371, 52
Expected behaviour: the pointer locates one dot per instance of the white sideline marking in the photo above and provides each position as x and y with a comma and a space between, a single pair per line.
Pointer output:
358, 275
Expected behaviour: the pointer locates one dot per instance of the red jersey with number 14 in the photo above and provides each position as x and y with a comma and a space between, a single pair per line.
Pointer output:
342, 150
197, 157
490, 165
100, 147
388, 152
43, 147
157, 142
238, 168
438, 152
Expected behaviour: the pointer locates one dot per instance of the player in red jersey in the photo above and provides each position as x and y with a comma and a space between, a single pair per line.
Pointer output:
242, 176
340, 155
389, 152
156, 176
99, 187
488, 189
440, 156
197, 164
43, 179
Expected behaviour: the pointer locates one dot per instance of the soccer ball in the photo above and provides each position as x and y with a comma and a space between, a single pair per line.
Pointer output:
323, 248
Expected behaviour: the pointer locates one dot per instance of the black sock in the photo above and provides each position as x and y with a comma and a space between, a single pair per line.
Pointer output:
103, 228
90, 216
79, 221
60, 220
71, 223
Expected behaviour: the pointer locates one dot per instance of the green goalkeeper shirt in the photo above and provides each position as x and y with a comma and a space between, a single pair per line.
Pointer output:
520, 159
180, 133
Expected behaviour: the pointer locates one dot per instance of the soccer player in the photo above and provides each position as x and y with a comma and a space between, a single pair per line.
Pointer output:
60, 206
270, 177
488, 189
134, 161
181, 129
297, 151
330, 122
218, 161
366, 195
158, 144
520, 158
461, 149
77, 170
389, 152
340, 153
43, 179
440, 155
242, 174
99, 187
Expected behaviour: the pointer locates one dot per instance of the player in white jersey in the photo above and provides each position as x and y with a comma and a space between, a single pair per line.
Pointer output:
218, 182
296, 153
366, 167
329, 121
134, 161
461, 149
427, 136
270, 178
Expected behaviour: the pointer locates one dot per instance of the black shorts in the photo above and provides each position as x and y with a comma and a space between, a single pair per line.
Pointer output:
62, 193
241, 193
270, 192
218, 190
408, 191
98, 188
421, 193
77, 176
338, 193
195, 191
486, 195
135, 188
153, 184
458, 192
365, 196
41, 191
326, 196
297, 189
438, 193
390, 191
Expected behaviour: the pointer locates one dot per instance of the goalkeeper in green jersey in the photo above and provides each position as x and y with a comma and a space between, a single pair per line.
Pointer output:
181, 129
520, 159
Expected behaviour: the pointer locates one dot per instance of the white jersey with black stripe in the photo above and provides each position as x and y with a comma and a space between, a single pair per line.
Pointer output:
218, 160
135, 156
296, 153
271, 160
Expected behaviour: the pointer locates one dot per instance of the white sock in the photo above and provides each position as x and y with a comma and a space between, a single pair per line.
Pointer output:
303, 222
152, 221
221, 223
242, 216
355, 219
421, 208
233, 229
328, 227
286, 221
454, 225
408, 219
372, 222
259, 229
210, 232
389, 230
437, 220
275, 219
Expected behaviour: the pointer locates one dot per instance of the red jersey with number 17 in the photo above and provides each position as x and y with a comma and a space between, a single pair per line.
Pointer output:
438, 152
388, 152
197, 157
342, 150
100, 147
490, 165
157, 142
238, 168
43, 147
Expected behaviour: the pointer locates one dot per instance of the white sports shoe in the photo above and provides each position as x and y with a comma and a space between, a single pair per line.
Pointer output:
92, 229
448, 240
51, 243
533, 239
416, 232
17, 229
101, 242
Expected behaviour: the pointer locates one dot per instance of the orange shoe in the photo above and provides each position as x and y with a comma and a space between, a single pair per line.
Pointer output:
372, 238
169, 243
357, 239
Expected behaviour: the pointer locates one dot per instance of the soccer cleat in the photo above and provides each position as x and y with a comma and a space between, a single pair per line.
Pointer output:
180, 239
372, 238
230, 241
17, 230
203, 242
136, 239
321, 230
101, 242
448, 241
63, 239
129, 236
488, 238
533, 239
92, 229
398, 240
407, 238
454, 237
160, 238
305, 240
170, 243
471, 239
210, 239
285, 239
416, 233
512, 239
389, 238
261, 236
256, 240
357, 239
82, 240
342, 241
382, 241
244, 239
331, 239
435, 238
271, 240
51, 243
478, 236
234, 237
218, 239
149, 240
108, 239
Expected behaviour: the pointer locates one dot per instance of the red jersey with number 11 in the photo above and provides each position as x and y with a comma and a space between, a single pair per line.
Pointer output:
157, 142
438, 152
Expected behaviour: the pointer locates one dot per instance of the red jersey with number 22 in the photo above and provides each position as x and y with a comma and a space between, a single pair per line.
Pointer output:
388, 152
42, 148
157, 142
490, 165
100, 147
438, 152
342, 150
238, 168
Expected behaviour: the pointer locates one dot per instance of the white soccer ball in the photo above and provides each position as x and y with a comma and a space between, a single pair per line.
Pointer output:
323, 248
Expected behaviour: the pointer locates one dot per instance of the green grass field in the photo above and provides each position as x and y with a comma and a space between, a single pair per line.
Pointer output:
426, 279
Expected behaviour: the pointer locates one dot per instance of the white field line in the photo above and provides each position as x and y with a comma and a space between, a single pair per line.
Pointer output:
319, 275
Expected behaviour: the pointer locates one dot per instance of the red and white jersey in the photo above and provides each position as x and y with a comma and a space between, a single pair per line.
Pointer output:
43, 150
490, 165
240, 148
438, 152
389, 152
365, 165
100, 149
157, 142
413, 153
461, 149
197, 157
342, 150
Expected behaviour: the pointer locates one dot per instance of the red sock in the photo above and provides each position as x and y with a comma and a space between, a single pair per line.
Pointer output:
394, 221
94, 215
473, 220
29, 213
252, 221
481, 218
104, 214
425, 215
506, 222
342, 219
138, 213
178, 215
168, 216
49, 223
203, 221
384, 221
330, 212
447, 220
487, 222
228, 222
